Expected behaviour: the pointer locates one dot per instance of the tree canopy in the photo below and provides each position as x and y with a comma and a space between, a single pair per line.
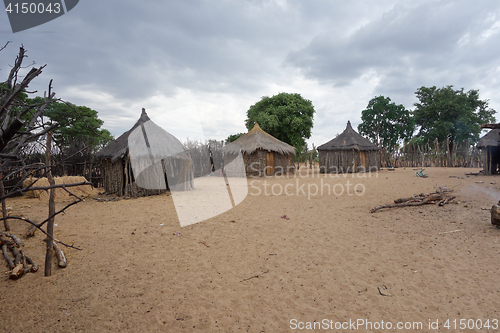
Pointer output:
445, 113
386, 123
233, 137
77, 129
287, 117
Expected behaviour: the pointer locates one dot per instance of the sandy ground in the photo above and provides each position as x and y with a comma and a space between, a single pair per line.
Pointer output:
329, 262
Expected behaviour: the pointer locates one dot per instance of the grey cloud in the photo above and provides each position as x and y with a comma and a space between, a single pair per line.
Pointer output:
420, 38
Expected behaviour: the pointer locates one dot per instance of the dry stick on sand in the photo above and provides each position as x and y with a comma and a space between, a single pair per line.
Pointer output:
381, 293
16, 239
61, 259
449, 232
7, 257
255, 276
17, 255
31, 231
419, 200
445, 201
34, 265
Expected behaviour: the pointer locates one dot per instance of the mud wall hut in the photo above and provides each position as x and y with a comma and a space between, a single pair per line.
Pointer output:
490, 152
159, 159
262, 153
348, 153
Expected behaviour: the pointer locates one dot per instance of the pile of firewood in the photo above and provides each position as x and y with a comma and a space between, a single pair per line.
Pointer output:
440, 197
19, 263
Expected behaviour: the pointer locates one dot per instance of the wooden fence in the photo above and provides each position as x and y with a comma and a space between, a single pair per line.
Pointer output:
433, 155
205, 160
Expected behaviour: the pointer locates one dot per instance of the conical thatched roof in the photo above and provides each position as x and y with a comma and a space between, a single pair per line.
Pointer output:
490, 139
349, 140
255, 139
119, 148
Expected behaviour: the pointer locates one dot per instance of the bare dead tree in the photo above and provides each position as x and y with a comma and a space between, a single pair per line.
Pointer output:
23, 128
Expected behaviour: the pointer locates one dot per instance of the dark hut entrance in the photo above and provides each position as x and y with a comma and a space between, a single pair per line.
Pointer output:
492, 163
490, 148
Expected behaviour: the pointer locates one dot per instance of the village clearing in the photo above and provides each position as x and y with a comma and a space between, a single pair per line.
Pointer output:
268, 261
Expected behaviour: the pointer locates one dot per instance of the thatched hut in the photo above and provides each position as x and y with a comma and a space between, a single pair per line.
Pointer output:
490, 151
262, 153
145, 160
347, 153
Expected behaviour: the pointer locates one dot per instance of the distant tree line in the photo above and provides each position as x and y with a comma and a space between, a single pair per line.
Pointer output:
442, 114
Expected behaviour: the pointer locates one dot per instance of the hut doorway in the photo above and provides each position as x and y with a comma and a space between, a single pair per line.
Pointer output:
269, 164
493, 160
362, 156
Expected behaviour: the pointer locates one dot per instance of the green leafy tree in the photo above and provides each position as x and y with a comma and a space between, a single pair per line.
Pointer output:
287, 117
445, 113
386, 123
77, 129
233, 137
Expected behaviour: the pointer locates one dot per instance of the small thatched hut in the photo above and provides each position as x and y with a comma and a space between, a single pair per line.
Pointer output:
490, 148
263, 154
145, 160
347, 153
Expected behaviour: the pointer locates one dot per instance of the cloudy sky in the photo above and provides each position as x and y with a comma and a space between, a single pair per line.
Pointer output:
201, 64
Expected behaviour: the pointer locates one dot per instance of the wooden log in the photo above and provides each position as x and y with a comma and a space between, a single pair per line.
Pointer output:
404, 204
413, 198
61, 259
17, 272
34, 265
495, 214
445, 201
3, 240
23, 258
32, 230
17, 255
7, 257
435, 197
16, 239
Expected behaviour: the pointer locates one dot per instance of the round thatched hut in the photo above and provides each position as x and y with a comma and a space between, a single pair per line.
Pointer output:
347, 153
145, 160
490, 151
263, 154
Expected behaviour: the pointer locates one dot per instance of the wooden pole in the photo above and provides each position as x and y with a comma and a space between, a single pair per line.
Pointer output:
4, 207
52, 209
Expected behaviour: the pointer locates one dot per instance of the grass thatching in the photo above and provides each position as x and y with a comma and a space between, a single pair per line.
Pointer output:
61, 194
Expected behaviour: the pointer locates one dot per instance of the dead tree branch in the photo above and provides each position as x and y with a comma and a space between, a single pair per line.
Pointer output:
419, 200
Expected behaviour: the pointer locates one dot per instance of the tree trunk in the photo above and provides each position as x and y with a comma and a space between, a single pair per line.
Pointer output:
52, 209
450, 151
4, 208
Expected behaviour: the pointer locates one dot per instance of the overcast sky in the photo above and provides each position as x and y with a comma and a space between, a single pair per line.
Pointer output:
195, 64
